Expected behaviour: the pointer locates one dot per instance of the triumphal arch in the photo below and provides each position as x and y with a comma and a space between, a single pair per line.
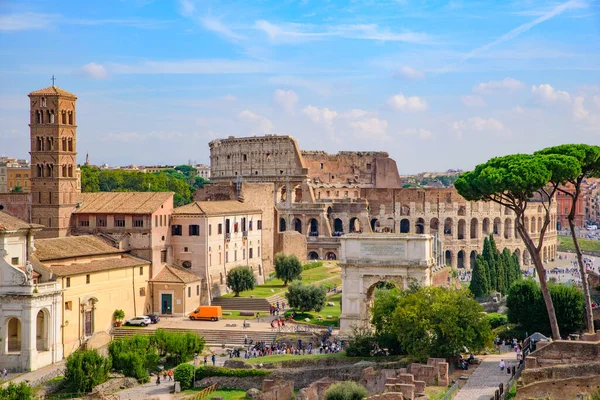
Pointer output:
367, 259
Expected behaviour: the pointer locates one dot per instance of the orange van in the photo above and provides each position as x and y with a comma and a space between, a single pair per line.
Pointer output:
212, 313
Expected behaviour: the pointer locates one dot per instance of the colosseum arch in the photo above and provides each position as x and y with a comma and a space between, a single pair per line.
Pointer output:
420, 226
448, 258
330, 256
313, 227
474, 228
390, 225
338, 225
313, 255
404, 225
526, 257
472, 258
448, 226
508, 228
354, 225
485, 226
532, 230
297, 194
497, 226
298, 225
545, 254
460, 259
434, 225
518, 252
526, 224
375, 225
282, 224
282, 194
461, 229
462, 211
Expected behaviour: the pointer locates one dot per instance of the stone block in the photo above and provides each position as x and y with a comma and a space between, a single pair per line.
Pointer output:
408, 391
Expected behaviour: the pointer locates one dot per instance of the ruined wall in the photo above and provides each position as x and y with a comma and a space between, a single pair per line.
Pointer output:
441, 277
16, 204
556, 372
292, 242
564, 352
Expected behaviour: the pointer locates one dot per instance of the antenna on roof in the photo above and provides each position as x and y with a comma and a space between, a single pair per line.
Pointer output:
53, 79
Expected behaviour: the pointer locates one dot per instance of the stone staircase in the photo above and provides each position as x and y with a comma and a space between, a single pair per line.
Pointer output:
213, 337
241, 304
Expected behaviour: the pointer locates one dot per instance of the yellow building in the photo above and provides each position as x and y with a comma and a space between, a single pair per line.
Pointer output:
175, 291
96, 280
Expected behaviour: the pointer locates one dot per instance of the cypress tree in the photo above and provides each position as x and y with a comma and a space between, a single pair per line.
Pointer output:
516, 266
487, 256
479, 283
500, 277
507, 262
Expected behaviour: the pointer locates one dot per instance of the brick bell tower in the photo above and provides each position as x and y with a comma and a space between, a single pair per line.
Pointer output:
54, 180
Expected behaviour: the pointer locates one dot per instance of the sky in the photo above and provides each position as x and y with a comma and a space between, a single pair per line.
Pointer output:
437, 84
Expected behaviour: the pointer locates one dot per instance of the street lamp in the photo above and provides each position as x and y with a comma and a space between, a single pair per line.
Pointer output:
195, 367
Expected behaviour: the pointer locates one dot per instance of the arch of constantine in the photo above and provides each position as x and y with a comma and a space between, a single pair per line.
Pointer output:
367, 259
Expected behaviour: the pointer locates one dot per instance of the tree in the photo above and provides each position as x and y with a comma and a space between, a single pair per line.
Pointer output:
306, 297
346, 391
522, 299
515, 181
440, 322
383, 309
85, 370
14, 391
589, 162
17, 189
516, 267
490, 259
184, 374
479, 285
287, 268
240, 279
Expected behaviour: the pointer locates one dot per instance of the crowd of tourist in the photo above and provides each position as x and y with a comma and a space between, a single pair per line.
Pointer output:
262, 349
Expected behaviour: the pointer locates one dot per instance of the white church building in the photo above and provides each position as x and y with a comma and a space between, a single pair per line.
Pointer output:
30, 312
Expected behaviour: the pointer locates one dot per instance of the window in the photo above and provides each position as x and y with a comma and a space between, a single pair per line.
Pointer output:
141, 270
235, 255
245, 157
337, 193
220, 229
194, 230
345, 193
14, 261
176, 230
87, 279
321, 165
243, 254
368, 167
189, 291
250, 225
209, 230
142, 292
84, 221
138, 221
120, 221
185, 250
186, 264
68, 305
156, 221
244, 224
163, 256
197, 290
259, 224
250, 253
101, 221
68, 282
226, 256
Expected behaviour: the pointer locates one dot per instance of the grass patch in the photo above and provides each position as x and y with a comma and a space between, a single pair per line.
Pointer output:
586, 245
436, 392
224, 393
236, 315
334, 311
279, 358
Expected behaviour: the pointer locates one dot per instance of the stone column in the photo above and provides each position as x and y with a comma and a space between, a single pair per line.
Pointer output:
28, 341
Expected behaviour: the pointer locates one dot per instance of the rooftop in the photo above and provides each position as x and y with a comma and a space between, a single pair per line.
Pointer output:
224, 207
52, 91
108, 263
71, 247
121, 202
10, 223
171, 273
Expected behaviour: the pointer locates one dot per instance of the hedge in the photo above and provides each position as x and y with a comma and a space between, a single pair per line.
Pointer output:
205, 372
184, 374
21, 391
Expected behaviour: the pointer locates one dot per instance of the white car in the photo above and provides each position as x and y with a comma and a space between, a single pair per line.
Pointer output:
141, 321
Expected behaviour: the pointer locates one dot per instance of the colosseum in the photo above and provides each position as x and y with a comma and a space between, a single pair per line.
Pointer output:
322, 196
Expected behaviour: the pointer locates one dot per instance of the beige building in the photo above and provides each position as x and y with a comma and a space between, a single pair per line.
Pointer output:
210, 238
203, 171
175, 291
14, 173
96, 279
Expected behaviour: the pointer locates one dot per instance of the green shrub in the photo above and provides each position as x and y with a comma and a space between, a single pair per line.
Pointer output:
497, 320
361, 343
21, 391
306, 297
184, 374
312, 265
205, 372
86, 369
346, 391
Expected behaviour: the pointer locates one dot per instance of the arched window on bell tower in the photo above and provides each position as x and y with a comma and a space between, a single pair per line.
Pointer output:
51, 112
64, 117
64, 144
70, 117
70, 144
40, 117
64, 170
40, 171
43, 102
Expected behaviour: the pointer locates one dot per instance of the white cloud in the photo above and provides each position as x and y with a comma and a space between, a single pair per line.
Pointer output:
547, 94
286, 99
215, 25
229, 97
295, 33
355, 113
407, 72
479, 124
507, 83
186, 7
319, 87
323, 116
371, 128
413, 103
199, 67
25, 21
579, 110
260, 123
421, 133
597, 100
473, 101
94, 71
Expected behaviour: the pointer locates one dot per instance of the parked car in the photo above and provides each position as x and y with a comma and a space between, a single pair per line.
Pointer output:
213, 313
154, 318
140, 321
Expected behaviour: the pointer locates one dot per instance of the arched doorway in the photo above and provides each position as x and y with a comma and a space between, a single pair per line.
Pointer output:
314, 227
282, 194
330, 256
507, 228
526, 257
338, 226
448, 226
41, 330
497, 226
375, 225
282, 225
448, 258
474, 228
460, 259
434, 225
297, 225
420, 226
354, 225
404, 226
13, 335
298, 194
486, 226
313, 255
461, 229
472, 259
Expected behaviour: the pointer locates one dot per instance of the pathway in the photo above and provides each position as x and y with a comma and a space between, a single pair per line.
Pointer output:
484, 381
148, 390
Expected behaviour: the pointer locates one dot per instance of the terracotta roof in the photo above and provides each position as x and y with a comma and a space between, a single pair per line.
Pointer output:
9, 223
124, 261
72, 246
35, 273
52, 91
216, 208
121, 202
171, 273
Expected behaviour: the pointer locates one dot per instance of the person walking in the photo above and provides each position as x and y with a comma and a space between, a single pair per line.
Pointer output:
170, 373
158, 378
205, 361
214, 359
502, 365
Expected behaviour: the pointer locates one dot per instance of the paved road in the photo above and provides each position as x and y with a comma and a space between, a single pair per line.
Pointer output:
148, 391
484, 381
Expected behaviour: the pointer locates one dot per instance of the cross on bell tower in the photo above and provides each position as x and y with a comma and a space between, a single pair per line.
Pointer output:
53, 79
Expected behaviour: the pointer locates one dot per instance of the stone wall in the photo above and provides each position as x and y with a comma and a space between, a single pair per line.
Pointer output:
441, 277
557, 372
16, 204
277, 389
292, 242
563, 352
316, 390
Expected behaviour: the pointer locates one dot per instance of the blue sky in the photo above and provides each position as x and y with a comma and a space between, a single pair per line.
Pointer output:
437, 84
